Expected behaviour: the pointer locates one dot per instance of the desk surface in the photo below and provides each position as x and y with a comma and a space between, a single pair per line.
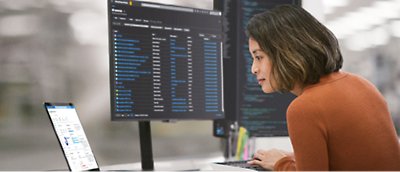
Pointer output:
180, 164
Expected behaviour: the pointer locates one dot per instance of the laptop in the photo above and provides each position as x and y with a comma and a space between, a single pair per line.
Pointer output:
71, 137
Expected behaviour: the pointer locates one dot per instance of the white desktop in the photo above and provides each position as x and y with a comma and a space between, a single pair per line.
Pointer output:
205, 163
190, 164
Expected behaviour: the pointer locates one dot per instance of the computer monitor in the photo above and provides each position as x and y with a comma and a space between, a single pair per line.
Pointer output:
263, 115
165, 64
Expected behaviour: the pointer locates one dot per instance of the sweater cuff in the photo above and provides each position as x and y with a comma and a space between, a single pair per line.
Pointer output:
285, 164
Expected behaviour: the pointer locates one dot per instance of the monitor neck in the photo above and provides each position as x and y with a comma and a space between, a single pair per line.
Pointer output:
146, 152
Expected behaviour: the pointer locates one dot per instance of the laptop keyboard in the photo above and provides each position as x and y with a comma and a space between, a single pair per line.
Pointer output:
243, 164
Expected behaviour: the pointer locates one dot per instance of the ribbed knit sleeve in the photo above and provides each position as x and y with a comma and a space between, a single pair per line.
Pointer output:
285, 164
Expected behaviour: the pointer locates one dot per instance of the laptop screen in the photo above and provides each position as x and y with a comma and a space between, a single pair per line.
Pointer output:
71, 136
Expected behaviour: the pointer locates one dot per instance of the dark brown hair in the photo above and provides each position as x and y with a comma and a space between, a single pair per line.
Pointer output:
300, 48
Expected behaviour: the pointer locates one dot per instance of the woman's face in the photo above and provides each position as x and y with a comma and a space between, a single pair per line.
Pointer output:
261, 67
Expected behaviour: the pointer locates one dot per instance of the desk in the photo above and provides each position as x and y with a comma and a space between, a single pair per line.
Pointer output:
180, 164
204, 162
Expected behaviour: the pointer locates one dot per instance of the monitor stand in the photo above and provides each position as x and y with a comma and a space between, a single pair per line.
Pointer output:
146, 152
230, 139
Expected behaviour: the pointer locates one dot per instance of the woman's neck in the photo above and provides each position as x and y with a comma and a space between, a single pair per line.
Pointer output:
297, 90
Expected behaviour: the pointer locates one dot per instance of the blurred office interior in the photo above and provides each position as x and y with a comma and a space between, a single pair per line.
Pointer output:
58, 51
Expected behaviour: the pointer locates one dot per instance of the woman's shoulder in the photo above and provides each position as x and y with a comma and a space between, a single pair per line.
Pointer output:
355, 77
333, 83
303, 105
359, 81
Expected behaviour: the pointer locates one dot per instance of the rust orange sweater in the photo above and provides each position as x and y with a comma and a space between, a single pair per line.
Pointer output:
341, 123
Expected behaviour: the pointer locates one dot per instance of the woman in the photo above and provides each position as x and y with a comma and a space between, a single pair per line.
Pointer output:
339, 121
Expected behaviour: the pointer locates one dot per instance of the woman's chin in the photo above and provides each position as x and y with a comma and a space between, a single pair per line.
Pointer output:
267, 90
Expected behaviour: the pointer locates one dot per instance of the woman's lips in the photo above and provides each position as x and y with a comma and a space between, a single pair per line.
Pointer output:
260, 81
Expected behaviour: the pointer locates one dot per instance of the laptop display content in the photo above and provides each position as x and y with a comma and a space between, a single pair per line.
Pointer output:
71, 136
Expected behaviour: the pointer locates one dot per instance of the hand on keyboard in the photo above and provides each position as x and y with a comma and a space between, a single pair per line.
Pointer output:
243, 164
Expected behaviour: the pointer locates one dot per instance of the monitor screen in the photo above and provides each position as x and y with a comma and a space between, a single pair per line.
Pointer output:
165, 62
261, 114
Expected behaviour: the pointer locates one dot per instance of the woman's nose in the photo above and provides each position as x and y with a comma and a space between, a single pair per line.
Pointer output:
254, 69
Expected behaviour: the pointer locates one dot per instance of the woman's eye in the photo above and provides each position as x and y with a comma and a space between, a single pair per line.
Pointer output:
258, 57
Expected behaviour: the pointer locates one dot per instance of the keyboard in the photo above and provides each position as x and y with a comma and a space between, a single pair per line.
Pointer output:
243, 164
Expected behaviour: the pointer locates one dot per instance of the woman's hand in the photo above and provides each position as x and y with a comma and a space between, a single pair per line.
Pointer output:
268, 158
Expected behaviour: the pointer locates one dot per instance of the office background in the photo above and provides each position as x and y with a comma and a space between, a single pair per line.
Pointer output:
58, 51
